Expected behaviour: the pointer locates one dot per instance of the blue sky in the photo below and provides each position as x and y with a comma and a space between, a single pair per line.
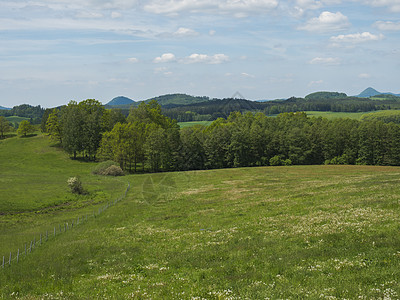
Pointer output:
54, 51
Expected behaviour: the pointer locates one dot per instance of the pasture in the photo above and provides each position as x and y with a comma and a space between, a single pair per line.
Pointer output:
15, 119
189, 124
318, 232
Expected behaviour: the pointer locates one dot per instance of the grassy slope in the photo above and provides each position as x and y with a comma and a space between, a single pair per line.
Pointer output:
273, 232
189, 124
336, 115
34, 191
15, 119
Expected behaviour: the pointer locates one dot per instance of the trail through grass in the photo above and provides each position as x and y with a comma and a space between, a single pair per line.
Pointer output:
34, 192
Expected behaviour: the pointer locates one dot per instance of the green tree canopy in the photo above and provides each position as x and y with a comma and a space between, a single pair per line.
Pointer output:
4, 126
25, 127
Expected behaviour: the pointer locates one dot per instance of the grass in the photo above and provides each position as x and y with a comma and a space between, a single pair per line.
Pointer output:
34, 191
16, 119
336, 115
319, 232
189, 124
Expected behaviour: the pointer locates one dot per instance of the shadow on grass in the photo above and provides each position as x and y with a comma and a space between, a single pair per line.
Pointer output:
7, 136
29, 135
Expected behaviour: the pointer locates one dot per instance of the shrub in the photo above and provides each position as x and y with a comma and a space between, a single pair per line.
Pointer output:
75, 185
108, 167
101, 167
287, 162
276, 161
113, 170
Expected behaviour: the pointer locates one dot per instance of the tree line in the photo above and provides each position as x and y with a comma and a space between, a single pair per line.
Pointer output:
35, 113
147, 140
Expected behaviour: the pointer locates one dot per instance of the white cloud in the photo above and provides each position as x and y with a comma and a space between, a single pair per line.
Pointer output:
116, 15
364, 76
325, 61
356, 38
308, 4
185, 32
166, 57
392, 5
181, 32
88, 15
316, 82
204, 58
163, 71
247, 75
238, 8
393, 26
326, 22
133, 60
212, 32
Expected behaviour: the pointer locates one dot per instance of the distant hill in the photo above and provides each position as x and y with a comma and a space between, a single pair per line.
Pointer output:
178, 99
371, 92
120, 100
170, 100
325, 95
368, 92
212, 109
4, 108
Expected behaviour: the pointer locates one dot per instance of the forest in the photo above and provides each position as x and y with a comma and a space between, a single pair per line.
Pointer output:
35, 113
147, 140
320, 101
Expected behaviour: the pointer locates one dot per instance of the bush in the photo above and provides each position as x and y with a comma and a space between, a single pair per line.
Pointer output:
75, 185
101, 167
113, 170
276, 161
108, 167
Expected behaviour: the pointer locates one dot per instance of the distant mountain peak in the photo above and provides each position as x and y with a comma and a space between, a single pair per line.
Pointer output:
369, 92
120, 100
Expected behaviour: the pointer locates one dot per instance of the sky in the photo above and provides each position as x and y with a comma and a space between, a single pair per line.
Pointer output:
54, 51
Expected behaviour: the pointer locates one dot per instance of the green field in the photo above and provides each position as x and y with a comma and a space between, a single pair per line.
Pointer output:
336, 115
189, 124
318, 232
34, 191
15, 119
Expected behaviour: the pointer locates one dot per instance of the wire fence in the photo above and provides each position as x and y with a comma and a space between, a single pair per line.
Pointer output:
39, 239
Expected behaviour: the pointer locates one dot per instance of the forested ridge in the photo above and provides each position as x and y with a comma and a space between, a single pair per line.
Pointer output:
147, 140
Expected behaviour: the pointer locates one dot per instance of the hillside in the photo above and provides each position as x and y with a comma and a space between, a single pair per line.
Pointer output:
4, 108
370, 92
120, 100
229, 234
34, 191
170, 100
325, 95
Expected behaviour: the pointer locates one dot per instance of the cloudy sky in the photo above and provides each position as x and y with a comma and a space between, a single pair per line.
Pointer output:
54, 51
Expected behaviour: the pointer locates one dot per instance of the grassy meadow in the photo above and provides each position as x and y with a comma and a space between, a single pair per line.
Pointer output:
317, 232
189, 124
16, 119
34, 191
